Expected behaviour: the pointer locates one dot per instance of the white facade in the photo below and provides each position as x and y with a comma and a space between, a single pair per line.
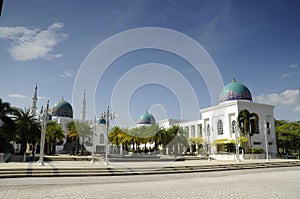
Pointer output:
216, 123
227, 112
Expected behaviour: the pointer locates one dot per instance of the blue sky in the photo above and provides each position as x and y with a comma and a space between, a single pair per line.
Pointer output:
46, 42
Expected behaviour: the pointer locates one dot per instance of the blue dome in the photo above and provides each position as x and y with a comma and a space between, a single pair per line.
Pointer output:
235, 91
146, 118
62, 109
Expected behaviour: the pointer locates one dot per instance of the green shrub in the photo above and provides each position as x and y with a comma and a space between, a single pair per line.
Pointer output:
257, 150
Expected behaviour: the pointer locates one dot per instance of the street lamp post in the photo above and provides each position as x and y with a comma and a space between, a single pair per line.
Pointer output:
237, 151
208, 143
266, 141
93, 140
107, 116
43, 134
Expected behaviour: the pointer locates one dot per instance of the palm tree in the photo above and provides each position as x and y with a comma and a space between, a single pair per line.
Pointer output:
7, 125
114, 137
124, 138
196, 141
179, 139
74, 136
54, 133
84, 130
159, 136
79, 129
28, 128
248, 123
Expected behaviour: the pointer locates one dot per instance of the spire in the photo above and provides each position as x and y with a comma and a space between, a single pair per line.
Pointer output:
34, 100
83, 106
233, 79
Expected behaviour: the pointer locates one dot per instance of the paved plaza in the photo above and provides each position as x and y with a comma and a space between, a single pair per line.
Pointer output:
258, 183
253, 183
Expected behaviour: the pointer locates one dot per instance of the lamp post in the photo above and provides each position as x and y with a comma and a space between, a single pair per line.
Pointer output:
107, 116
237, 151
208, 143
43, 134
93, 139
266, 141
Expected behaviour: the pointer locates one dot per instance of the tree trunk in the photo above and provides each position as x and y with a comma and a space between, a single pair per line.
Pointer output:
77, 150
73, 147
117, 143
53, 146
82, 146
23, 147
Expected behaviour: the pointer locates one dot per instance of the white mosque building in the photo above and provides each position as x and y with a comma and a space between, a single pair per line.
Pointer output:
216, 121
62, 113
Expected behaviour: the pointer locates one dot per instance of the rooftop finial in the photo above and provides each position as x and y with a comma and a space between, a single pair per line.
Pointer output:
233, 79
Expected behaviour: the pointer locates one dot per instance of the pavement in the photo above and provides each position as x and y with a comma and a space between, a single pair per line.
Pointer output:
273, 183
82, 166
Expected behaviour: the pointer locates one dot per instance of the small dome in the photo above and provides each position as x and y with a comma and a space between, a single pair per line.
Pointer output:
235, 91
146, 119
62, 109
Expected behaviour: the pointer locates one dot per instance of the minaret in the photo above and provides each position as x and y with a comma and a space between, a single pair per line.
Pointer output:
83, 107
34, 101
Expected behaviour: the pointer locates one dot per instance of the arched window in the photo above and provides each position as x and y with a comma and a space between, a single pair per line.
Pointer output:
268, 127
101, 138
233, 123
220, 127
207, 130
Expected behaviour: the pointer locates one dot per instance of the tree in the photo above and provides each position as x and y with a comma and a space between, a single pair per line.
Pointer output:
114, 136
54, 133
7, 125
79, 129
196, 141
124, 138
243, 141
179, 139
288, 136
73, 136
160, 137
248, 123
28, 128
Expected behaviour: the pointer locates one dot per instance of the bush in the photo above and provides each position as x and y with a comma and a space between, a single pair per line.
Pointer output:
257, 150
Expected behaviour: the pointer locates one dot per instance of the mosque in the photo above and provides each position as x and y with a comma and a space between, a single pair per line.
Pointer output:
216, 123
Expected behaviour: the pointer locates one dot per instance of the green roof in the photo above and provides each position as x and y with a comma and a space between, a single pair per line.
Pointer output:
146, 118
235, 91
62, 109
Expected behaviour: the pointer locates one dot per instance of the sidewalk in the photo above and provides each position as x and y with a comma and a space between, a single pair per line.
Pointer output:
99, 163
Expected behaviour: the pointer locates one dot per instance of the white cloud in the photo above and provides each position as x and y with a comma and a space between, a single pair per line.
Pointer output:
287, 97
29, 44
294, 66
68, 73
286, 75
297, 109
18, 96
41, 97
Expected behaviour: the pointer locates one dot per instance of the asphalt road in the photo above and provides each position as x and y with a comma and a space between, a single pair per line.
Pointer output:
254, 183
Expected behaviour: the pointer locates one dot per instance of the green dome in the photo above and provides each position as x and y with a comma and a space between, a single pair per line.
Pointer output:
146, 118
62, 109
235, 91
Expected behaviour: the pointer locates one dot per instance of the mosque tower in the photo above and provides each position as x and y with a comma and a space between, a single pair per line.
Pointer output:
34, 101
83, 108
